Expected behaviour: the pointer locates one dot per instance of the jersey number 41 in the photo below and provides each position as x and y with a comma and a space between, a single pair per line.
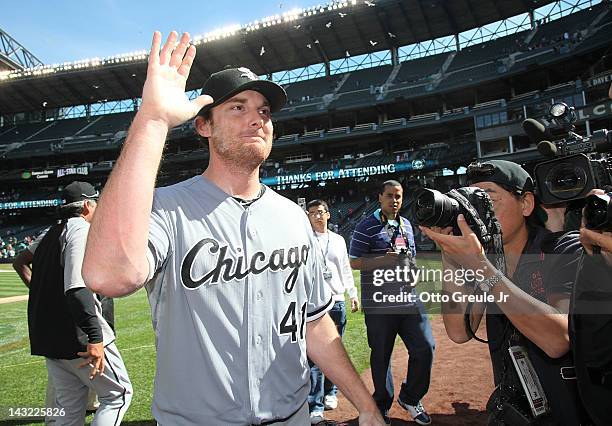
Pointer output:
289, 325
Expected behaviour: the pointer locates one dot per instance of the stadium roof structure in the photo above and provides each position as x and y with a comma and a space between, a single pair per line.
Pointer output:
311, 36
14, 56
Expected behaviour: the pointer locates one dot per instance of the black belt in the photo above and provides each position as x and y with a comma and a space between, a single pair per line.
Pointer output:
568, 373
596, 375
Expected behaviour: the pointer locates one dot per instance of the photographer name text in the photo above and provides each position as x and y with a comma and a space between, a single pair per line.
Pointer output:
426, 297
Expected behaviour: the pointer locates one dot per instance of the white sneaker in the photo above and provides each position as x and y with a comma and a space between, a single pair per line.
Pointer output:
331, 402
418, 412
316, 418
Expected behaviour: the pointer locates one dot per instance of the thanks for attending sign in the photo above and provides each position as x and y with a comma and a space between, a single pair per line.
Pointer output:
353, 172
13, 205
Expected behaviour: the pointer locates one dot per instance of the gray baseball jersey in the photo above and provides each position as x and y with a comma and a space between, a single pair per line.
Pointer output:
230, 289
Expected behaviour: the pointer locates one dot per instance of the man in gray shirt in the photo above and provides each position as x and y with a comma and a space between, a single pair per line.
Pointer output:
234, 282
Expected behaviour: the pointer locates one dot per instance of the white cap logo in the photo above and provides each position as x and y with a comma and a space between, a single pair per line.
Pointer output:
247, 73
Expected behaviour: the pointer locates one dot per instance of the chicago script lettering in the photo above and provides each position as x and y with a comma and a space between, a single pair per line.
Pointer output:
228, 267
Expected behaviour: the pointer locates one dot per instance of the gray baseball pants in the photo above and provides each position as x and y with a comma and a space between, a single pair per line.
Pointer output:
72, 385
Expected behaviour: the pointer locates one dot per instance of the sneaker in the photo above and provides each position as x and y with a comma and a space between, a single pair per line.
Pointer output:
316, 418
331, 402
417, 412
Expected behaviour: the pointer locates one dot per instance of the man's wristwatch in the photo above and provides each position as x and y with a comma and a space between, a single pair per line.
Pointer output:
488, 283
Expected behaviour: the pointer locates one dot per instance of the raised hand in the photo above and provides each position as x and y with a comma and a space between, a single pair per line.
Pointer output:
163, 96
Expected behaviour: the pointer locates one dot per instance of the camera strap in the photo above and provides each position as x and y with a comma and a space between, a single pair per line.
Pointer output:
488, 231
398, 238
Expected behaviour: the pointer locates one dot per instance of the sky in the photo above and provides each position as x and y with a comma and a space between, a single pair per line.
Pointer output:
68, 30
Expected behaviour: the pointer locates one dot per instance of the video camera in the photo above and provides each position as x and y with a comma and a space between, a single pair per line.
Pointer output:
579, 163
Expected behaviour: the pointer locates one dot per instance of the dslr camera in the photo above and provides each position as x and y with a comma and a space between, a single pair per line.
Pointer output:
598, 212
432, 208
577, 163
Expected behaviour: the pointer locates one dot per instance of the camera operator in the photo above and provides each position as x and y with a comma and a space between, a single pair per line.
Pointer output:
591, 322
531, 300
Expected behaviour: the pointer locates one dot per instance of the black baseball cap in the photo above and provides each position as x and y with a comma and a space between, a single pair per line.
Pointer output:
224, 84
79, 191
504, 173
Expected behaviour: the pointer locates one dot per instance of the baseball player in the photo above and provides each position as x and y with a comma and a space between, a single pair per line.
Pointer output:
66, 324
234, 282
23, 266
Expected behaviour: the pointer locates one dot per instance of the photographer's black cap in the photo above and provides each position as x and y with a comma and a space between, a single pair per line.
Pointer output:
224, 84
501, 172
79, 191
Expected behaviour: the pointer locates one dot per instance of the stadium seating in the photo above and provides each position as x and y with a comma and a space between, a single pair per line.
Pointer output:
31, 149
358, 97
599, 36
308, 91
366, 78
470, 75
59, 129
419, 69
21, 132
555, 30
375, 161
110, 123
487, 51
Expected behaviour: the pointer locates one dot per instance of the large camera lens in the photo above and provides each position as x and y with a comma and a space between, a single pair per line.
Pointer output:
566, 181
432, 208
597, 213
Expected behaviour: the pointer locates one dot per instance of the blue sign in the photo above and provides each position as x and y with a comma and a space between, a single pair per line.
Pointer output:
30, 204
332, 174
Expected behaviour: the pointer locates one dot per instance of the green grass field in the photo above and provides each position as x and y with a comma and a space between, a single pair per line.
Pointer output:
10, 285
23, 377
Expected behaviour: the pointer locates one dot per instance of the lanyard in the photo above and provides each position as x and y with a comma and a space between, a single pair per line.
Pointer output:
321, 248
392, 231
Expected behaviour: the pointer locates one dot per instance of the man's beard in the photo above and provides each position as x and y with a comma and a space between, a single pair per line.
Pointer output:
241, 158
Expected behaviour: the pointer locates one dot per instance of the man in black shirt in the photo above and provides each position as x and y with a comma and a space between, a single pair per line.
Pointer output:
591, 324
531, 299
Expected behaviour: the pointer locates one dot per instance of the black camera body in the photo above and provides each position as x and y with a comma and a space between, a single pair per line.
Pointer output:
432, 208
598, 212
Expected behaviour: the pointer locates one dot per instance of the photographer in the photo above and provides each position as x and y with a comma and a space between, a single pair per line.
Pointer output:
531, 298
591, 322
381, 242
